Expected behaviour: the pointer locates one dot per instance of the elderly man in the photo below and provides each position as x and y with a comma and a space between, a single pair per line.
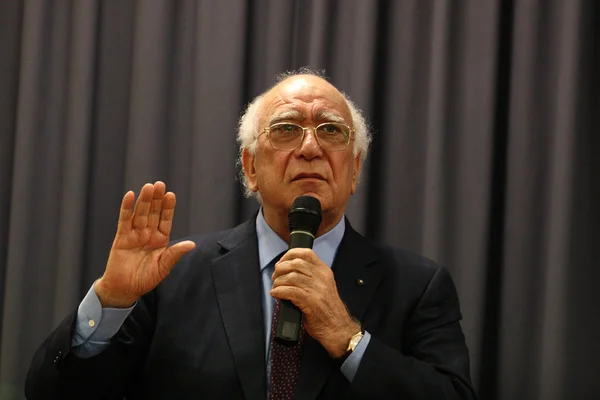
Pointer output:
194, 319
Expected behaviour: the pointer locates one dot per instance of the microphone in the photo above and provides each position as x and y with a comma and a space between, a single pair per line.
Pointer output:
304, 220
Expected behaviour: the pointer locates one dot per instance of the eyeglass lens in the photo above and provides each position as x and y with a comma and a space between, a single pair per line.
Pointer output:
288, 136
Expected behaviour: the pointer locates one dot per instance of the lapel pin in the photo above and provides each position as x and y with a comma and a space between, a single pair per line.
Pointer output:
360, 282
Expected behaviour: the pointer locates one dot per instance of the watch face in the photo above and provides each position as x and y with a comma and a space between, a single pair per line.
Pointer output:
355, 340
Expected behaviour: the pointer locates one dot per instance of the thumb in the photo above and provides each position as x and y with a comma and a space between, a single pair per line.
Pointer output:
173, 254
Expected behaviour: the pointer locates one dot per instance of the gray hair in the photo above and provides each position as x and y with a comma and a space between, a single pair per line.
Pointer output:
249, 121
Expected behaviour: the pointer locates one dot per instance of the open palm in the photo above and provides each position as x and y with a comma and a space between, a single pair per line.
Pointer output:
140, 257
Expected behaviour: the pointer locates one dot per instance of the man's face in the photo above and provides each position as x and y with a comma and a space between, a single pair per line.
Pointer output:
281, 176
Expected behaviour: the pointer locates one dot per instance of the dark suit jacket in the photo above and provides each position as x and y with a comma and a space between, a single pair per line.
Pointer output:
200, 334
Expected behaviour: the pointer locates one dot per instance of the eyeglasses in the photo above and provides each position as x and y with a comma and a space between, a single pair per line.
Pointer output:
289, 136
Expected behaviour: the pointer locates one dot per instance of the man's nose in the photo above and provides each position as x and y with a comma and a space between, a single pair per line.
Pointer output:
310, 147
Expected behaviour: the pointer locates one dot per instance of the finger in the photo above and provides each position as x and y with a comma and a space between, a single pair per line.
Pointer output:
294, 265
302, 253
173, 254
142, 207
295, 279
156, 205
167, 213
124, 224
294, 294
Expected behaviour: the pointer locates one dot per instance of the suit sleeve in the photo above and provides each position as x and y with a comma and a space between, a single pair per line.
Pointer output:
56, 372
434, 361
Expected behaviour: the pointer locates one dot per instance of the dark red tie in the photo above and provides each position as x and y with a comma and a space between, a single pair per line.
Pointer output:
285, 363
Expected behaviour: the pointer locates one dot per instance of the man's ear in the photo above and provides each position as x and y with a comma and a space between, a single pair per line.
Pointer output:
249, 169
357, 166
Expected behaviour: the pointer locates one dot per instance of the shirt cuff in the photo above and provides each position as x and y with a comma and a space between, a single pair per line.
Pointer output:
95, 323
350, 366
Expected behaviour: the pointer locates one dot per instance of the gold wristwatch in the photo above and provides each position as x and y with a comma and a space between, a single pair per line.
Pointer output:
354, 341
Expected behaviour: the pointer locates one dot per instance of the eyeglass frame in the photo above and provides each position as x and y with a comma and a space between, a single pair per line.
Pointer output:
267, 130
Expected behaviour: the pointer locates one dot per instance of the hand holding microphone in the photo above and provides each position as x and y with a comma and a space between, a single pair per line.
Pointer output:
303, 279
304, 220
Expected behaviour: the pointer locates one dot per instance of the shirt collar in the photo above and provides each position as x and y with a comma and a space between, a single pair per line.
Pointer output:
270, 245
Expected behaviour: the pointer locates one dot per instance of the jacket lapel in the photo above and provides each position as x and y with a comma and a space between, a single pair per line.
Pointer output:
236, 277
355, 260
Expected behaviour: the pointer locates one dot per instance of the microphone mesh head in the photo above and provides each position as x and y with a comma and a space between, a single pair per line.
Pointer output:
305, 214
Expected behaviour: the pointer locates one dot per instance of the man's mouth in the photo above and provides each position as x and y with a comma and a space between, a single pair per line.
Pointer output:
309, 176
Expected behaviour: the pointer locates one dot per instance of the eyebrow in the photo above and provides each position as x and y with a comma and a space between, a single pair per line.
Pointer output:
328, 116
287, 116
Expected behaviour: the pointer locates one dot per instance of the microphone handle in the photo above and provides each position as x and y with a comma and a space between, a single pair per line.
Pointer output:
287, 331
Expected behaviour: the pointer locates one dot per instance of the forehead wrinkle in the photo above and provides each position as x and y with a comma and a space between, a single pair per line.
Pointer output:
283, 94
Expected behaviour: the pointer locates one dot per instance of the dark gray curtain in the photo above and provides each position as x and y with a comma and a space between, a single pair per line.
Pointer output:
485, 115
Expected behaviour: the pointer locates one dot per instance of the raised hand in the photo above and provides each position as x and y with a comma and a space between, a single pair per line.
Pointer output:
139, 258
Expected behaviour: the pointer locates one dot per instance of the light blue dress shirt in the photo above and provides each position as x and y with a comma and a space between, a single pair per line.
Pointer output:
95, 326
